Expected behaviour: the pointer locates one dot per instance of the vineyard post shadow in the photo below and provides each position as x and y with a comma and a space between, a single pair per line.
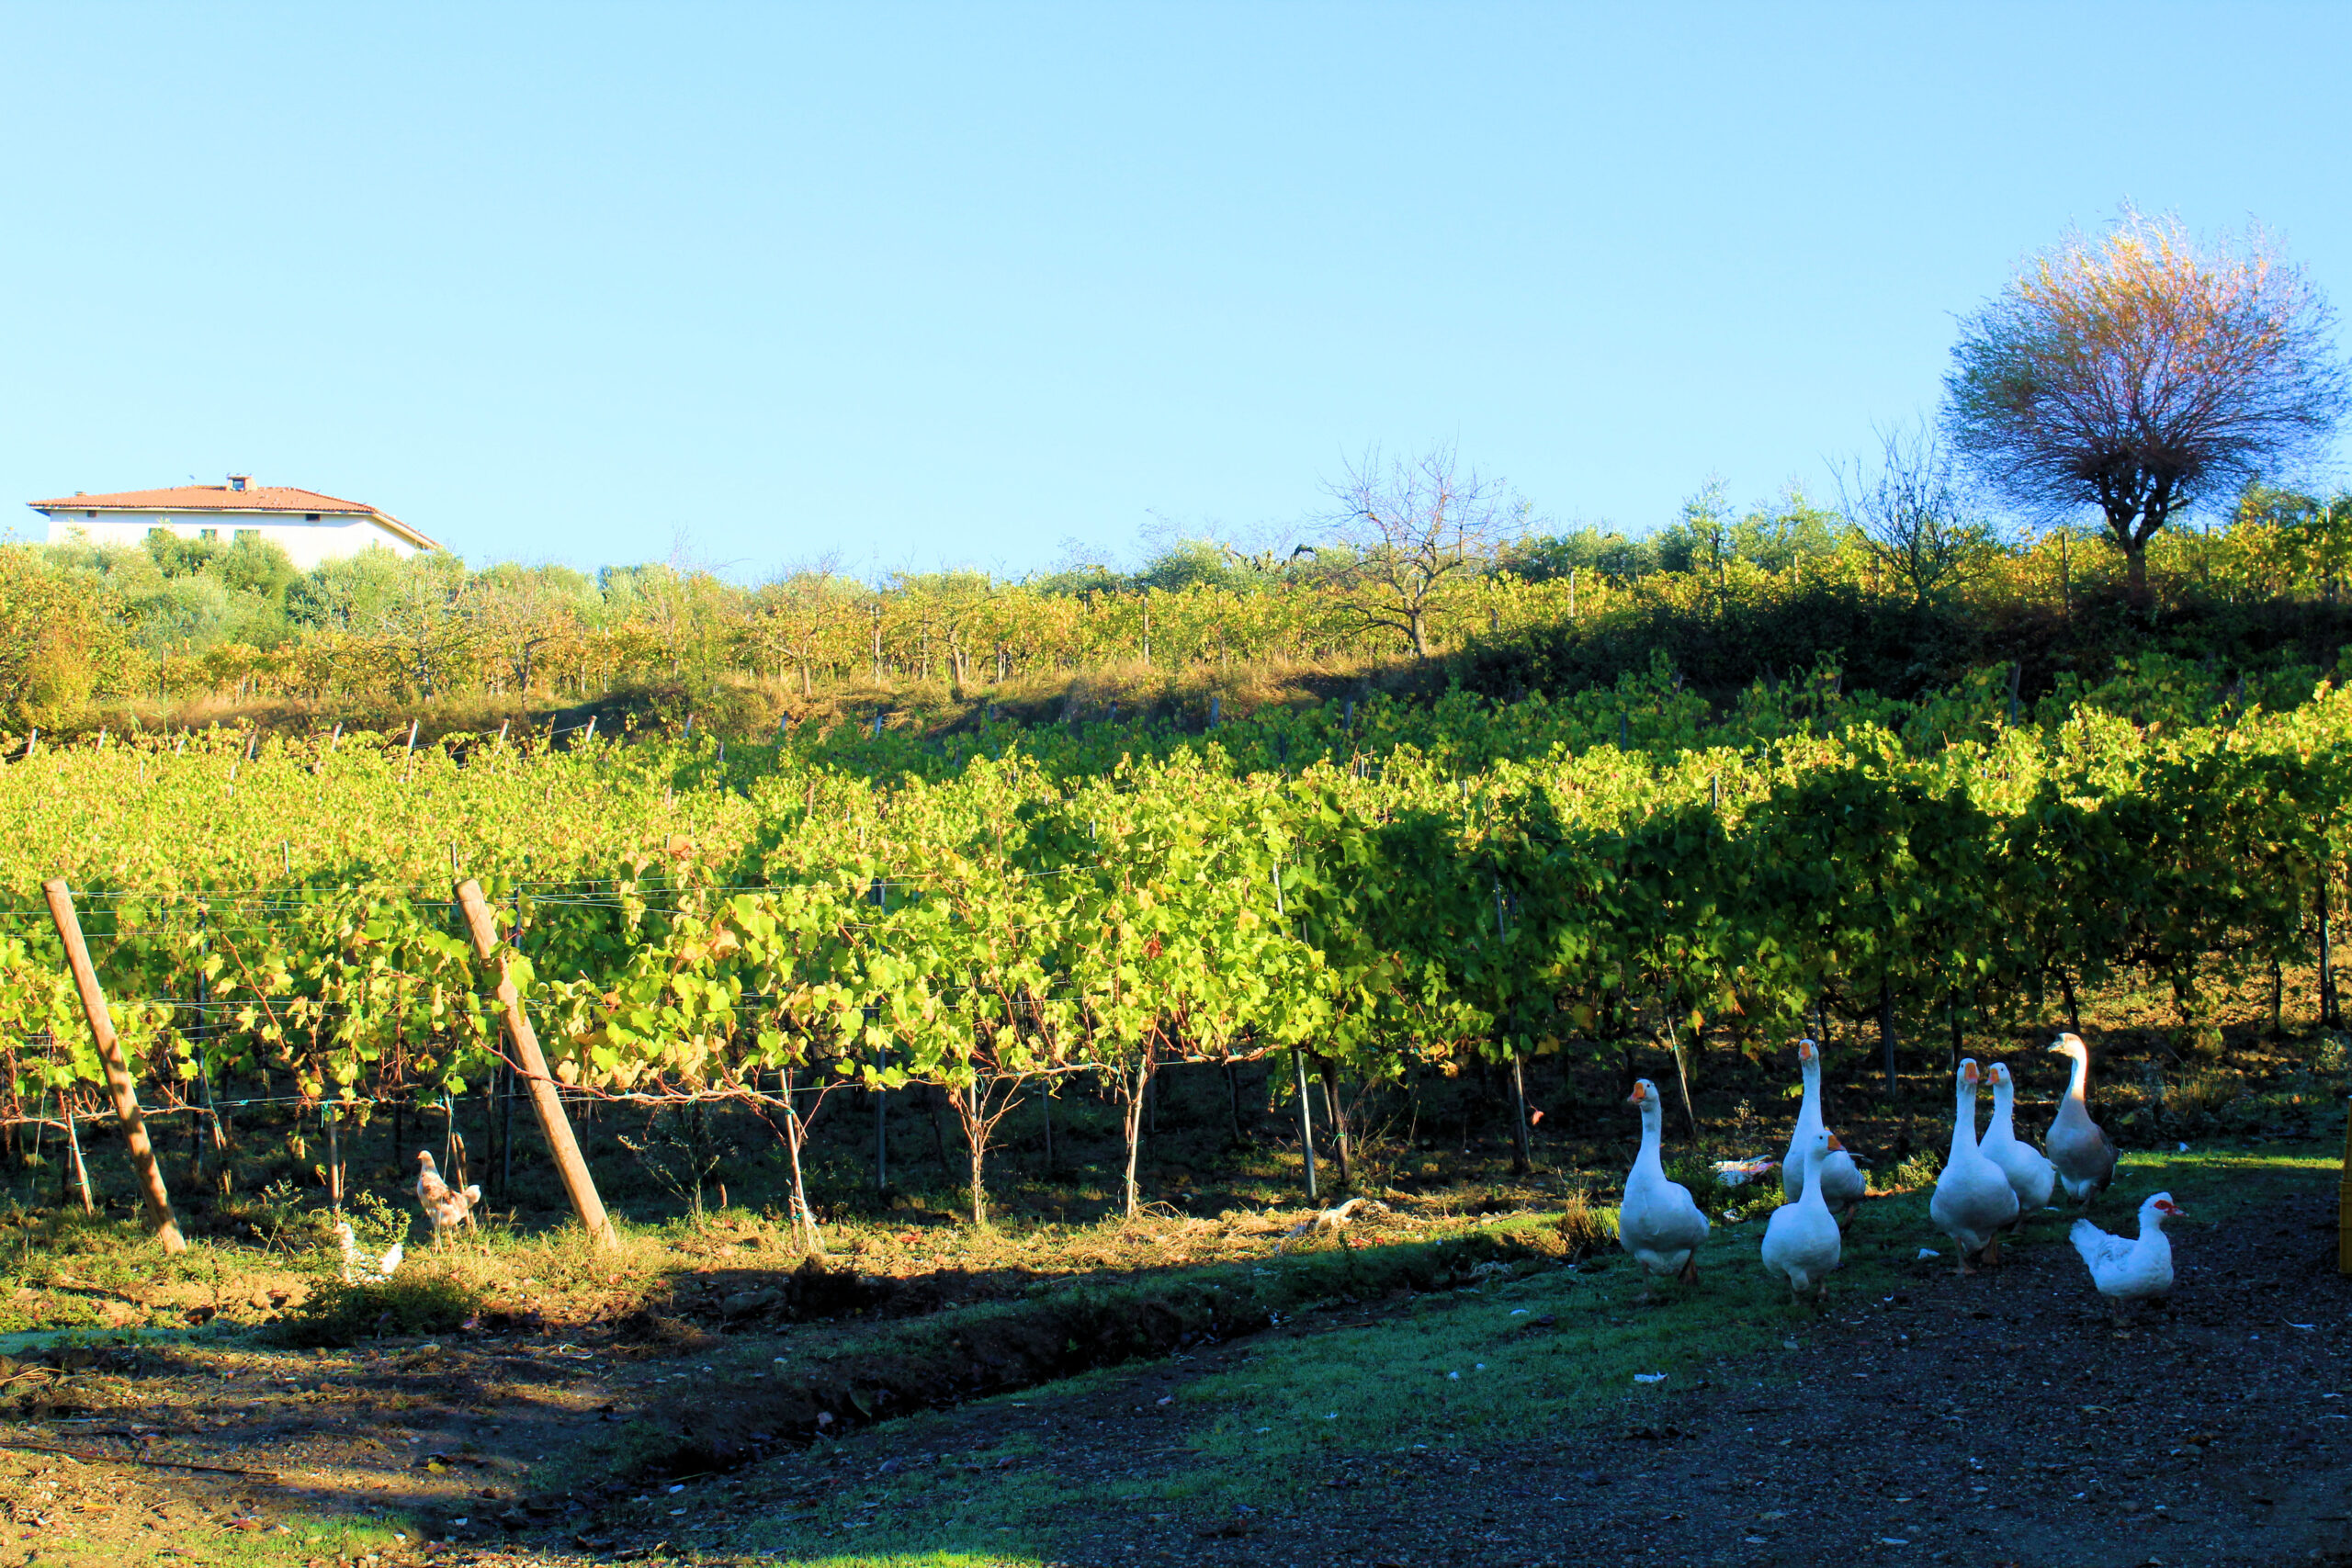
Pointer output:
577, 1182
126, 1098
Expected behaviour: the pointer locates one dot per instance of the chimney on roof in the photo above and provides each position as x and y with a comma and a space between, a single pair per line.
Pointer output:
239, 481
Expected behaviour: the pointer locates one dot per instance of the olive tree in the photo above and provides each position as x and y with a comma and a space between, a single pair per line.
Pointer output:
2143, 374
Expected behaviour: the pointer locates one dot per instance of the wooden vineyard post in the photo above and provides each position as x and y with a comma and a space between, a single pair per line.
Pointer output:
1523, 1156
2344, 1206
126, 1099
1298, 1052
577, 1183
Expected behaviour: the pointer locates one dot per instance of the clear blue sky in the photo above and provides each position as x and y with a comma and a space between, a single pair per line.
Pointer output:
957, 284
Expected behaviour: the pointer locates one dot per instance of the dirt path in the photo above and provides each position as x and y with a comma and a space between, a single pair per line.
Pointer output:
1998, 1420
1990, 1420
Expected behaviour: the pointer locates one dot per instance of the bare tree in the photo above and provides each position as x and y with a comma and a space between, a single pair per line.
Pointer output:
1416, 531
2143, 374
1912, 515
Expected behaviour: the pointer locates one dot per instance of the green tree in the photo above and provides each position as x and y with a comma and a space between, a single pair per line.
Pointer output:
2143, 374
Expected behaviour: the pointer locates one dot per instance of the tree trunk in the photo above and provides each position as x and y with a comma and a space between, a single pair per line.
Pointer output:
938, 1138
2329, 1015
74, 1146
801, 1212
1233, 1094
1886, 1030
972, 1106
2135, 572
1337, 1114
1132, 1120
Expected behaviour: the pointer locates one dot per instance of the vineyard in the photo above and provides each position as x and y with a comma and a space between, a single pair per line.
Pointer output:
1365, 898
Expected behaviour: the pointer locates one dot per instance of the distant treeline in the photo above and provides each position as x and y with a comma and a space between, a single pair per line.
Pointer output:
1723, 597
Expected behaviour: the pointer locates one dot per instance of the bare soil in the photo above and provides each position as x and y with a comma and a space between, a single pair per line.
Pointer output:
1996, 1419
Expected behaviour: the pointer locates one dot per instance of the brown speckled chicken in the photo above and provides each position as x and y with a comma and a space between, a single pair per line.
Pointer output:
445, 1206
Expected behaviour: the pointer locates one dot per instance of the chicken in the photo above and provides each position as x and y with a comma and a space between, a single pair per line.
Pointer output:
445, 1206
1334, 1219
361, 1270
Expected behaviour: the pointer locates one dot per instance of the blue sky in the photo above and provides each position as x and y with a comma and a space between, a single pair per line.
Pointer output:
963, 284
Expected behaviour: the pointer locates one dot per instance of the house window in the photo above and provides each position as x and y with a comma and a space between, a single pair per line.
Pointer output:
208, 532
307, 516
89, 514
248, 534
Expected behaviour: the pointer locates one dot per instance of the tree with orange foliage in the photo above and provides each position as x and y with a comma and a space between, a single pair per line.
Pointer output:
2145, 375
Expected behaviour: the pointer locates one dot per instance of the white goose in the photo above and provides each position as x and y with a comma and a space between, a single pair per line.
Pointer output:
1842, 1183
2079, 1147
2129, 1272
1801, 1241
1657, 1223
2031, 1176
1974, 1198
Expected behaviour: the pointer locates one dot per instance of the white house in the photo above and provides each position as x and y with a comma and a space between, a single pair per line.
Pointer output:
311, 527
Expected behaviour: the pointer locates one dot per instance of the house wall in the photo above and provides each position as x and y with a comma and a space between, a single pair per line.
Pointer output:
331, 538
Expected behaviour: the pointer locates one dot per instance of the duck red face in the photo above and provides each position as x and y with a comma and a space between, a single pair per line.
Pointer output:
2166, 1206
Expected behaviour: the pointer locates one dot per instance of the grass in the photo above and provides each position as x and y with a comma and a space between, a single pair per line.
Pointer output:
307, 1540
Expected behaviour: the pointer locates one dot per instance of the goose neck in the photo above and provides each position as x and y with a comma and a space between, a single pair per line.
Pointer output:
2078, 1079
1649, 1159
1963, 1122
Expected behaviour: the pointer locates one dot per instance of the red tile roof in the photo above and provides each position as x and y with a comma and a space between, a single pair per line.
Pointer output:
221, 498
208, 498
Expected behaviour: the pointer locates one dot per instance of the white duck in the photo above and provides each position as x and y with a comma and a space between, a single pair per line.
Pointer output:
1801, 1241
1974, 1198
2031, 1176
2078, 1147
1842, 1183
2129, 1272
1659, 1224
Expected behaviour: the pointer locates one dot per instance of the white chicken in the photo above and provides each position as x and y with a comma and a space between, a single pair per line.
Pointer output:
2129, 1272
358, 1269
444, 1205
